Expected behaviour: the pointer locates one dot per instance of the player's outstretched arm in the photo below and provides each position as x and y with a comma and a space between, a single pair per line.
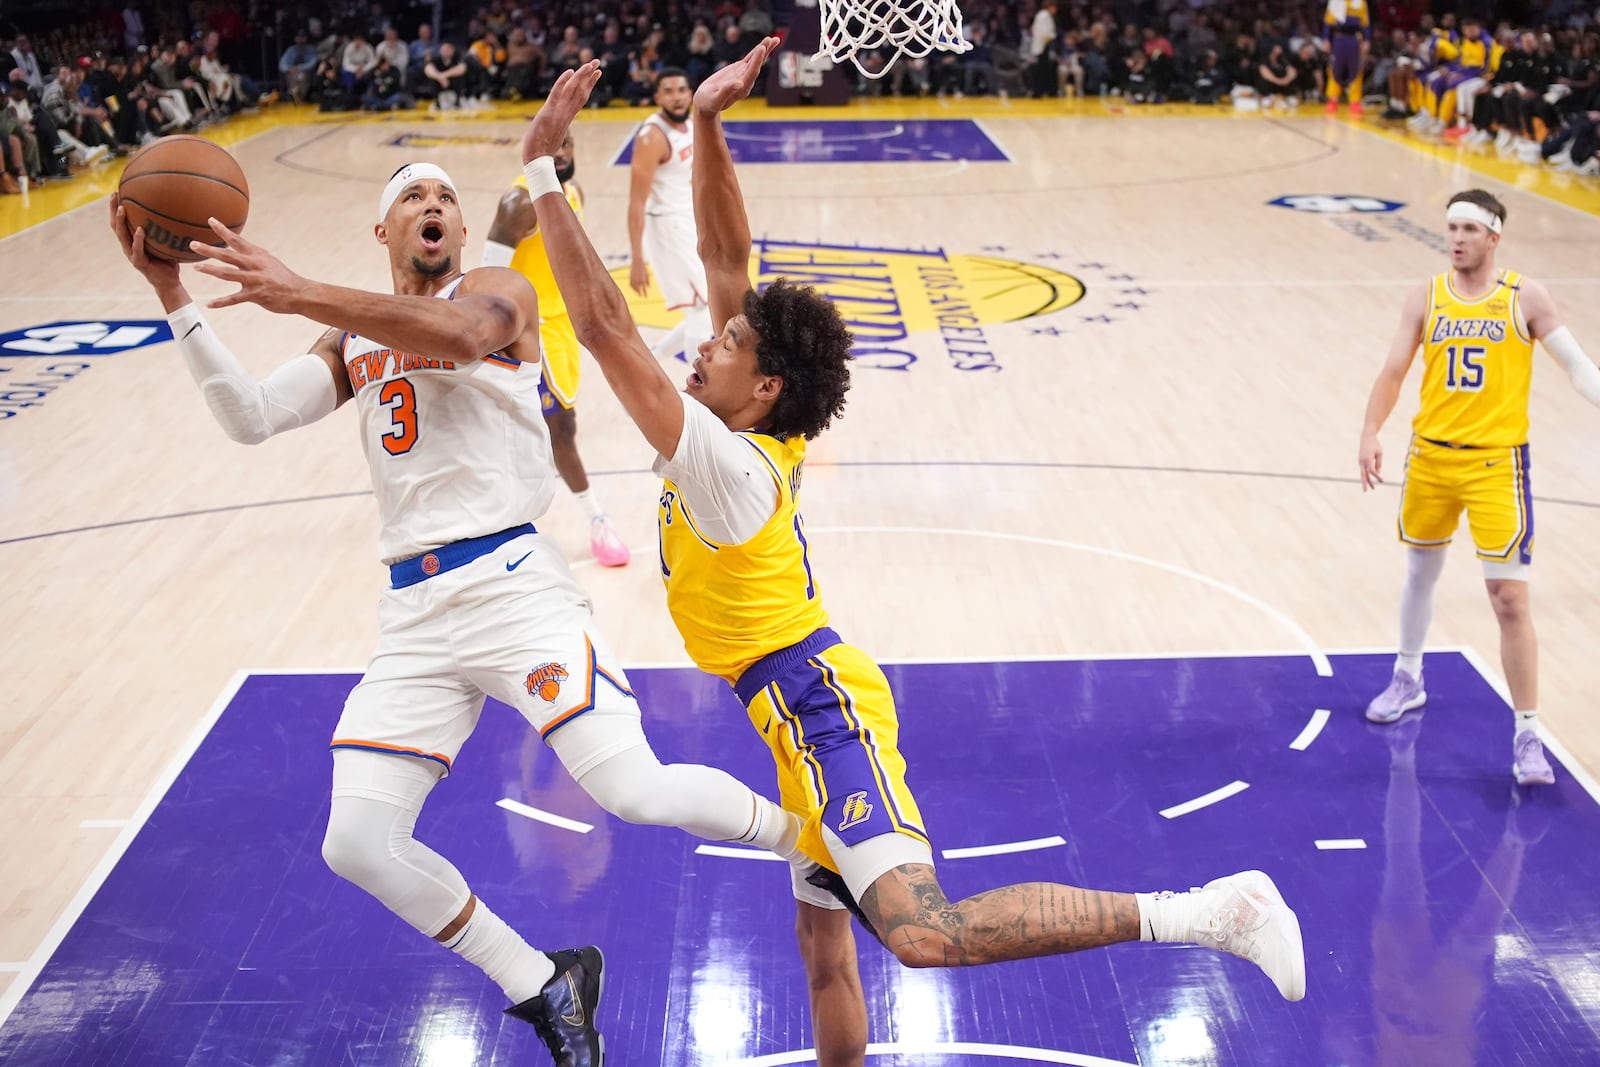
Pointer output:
597, 308
719, 213
299, 392
485, 317
1386, 390
1546, 326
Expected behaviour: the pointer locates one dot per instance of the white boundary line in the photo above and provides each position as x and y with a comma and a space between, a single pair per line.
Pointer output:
1050, 657
1340, 844
540, 815
102, 824
1205, 801
1574, 768
1313, 730
993, 139
1005, 849
958, 1048
13, 968
731, 852
64, 923
1318, 657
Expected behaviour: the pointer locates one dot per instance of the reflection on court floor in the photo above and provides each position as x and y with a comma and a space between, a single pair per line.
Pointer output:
855, 141
1449, 917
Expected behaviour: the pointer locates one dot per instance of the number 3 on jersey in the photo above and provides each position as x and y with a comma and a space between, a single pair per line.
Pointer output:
401, 399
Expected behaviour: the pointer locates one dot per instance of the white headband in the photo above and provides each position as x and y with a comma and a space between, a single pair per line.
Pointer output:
407, 174
1469, 212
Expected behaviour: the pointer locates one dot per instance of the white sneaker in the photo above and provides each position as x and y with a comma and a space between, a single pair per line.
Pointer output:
1244, 914
1503, 141
1528, 152
1589, 167
96, 154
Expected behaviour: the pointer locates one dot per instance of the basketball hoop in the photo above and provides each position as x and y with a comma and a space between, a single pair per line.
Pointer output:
854, 28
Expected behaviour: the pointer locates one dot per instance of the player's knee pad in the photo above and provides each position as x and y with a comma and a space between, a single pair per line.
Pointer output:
369, 843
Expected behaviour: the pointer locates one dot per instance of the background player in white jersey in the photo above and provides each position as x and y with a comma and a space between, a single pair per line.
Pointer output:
741, 591
661, 215
515, 242
479, 602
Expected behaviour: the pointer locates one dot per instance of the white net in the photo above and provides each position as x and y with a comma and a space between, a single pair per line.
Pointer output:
872, 34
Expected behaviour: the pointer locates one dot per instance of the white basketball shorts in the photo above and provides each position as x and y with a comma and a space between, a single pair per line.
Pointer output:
512, 624
671, 248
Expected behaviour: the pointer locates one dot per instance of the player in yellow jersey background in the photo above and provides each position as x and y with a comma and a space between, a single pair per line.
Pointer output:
741, 591
1476, 326
515, 242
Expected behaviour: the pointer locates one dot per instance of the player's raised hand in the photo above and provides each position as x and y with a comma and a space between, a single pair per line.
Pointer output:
161, 273
733, 83
261, 278
1371, 461
567, 97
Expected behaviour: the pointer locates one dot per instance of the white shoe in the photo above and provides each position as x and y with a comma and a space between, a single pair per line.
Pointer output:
1504, 140
1528, 152
1589, 167
1244, 914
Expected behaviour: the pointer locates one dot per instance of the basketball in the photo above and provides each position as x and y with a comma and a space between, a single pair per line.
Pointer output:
173, 184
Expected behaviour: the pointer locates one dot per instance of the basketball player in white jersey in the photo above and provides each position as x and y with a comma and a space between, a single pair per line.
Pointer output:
479, 602
661, 215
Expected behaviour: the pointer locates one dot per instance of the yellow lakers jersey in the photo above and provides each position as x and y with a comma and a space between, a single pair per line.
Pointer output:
1480, 53
734, 604
533, 262
1347, 15
1477, 366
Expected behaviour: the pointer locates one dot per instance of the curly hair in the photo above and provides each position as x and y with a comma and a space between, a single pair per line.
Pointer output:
801, 338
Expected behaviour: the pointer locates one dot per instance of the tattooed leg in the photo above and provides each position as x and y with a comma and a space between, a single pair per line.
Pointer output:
909, 912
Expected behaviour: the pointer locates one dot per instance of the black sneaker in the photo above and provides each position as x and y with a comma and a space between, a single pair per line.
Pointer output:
563, 1012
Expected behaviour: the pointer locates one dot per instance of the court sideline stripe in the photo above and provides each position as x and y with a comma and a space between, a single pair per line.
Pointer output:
91, 886
1121, 468
1573, 767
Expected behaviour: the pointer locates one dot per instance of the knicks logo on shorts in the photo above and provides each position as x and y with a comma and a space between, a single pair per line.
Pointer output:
857, 810
545, 682
430, 564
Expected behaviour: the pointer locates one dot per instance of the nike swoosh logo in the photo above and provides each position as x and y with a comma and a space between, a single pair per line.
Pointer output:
767, 727
192, 329
576, 1017
518, 563
1490, 462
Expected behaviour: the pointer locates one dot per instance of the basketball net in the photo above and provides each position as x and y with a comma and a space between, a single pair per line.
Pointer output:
854, 29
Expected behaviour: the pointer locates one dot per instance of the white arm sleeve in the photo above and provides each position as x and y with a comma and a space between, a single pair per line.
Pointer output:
1579, 367
727, 484
297, 393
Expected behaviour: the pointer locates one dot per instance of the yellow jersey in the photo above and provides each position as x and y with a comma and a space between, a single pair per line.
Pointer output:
1477, 366
532, 261
734, 604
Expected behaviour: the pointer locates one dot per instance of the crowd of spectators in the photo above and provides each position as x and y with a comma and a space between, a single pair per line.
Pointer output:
98, 83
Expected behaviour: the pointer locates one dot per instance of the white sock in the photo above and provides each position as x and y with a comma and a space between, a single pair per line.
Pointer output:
772, 828
696, 328
590, 503
1526, 720
1423, 567
671, 344
499, 952
1166, 916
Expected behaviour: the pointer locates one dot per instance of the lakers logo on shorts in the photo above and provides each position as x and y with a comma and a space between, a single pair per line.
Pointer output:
857, 810
545, 681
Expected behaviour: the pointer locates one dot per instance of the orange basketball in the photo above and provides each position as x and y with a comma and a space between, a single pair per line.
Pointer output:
173, 184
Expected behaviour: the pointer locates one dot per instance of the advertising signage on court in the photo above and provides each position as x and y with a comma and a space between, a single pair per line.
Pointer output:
49, 355
1336, 204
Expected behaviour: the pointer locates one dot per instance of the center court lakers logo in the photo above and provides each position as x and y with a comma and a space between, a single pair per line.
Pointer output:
857, 810
888, 295
545, 681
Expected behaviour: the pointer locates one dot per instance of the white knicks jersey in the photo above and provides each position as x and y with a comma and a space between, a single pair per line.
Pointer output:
671, 193
456, 451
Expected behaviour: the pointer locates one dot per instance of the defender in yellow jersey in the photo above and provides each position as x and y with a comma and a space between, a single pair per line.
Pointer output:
1476, 326
741, 589
516, 241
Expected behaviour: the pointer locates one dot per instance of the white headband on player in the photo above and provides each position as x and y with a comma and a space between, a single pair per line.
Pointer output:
1469, 212
407, 174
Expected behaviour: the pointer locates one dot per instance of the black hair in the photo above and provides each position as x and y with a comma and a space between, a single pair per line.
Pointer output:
800, 338
671, 72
